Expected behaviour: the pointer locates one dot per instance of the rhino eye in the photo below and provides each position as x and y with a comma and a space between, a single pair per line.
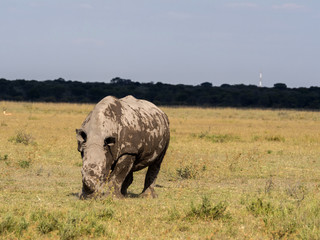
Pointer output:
109, 141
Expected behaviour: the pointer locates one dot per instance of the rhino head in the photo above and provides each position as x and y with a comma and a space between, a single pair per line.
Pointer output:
97, 160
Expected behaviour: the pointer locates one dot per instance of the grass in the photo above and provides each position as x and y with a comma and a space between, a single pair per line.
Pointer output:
228, 174
206, 211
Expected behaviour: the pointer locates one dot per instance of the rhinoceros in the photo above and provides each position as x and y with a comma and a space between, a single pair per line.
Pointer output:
117, 138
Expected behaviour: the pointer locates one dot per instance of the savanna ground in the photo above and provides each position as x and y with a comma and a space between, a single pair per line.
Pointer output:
228, 174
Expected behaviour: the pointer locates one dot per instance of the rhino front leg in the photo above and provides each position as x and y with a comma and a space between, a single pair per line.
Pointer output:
127, 182
120, 173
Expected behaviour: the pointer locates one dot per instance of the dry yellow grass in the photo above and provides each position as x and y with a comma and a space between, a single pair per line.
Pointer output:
264, 165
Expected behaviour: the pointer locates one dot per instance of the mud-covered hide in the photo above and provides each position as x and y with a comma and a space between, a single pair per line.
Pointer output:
117, 128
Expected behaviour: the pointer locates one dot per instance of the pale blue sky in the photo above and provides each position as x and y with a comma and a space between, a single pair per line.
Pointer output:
170, 41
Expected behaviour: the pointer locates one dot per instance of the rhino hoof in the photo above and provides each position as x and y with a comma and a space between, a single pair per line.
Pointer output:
149, 194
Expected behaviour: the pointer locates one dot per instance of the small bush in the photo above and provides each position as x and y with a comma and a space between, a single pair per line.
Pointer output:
24, 163
297, 192
256, 138
187, 172
275, 138
234, 163
4, 158
279, 221
269, 186
259, 207
23, 138
207, 211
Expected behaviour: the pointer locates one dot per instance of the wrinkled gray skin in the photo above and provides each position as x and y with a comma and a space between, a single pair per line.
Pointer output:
119, 137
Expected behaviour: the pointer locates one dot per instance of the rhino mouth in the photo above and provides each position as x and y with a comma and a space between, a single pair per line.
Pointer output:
86, 192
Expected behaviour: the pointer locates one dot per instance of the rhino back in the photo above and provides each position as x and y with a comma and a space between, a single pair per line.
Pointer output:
143, 115
138, 125
105, 117
144, 127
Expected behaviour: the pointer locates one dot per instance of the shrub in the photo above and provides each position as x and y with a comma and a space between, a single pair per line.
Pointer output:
279, 220
259, 207
24, 163
187, 172
275, 138
23, 138
297, 192
207, 211
4, 158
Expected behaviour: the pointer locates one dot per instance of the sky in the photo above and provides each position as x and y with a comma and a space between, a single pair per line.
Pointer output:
169, 41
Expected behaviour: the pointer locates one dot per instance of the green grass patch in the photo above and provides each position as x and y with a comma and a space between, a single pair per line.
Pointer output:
217, 138
24, 163
12, 224
207, 211
4, 157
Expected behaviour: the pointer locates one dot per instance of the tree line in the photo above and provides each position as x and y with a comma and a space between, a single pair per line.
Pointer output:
204, 95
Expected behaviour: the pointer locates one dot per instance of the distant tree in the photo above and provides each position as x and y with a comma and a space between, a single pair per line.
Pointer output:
61, 80
225, 86
96, 94
58, 91
206, 84
121, 81
280, 86
204, 94
78, 90
34, 93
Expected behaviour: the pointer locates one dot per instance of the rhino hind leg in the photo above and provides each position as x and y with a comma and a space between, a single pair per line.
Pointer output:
127, 182
151, 176
149, 183
119, 175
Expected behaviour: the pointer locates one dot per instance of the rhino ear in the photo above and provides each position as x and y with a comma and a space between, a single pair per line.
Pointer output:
81, 138
81, 135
